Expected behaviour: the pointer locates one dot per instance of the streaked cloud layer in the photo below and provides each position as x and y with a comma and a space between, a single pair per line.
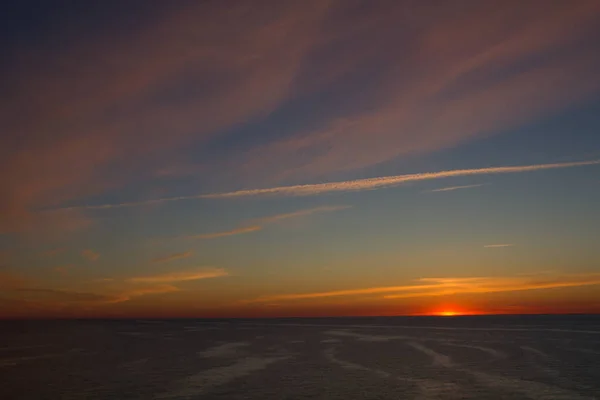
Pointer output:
192, 275
259, 223
391, 181
449, 286
360, 184
452, 188
141, 139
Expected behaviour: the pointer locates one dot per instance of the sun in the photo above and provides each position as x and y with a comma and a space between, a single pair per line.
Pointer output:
451, 310
448, 313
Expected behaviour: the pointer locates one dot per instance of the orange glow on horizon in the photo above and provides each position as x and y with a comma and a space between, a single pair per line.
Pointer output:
449, 313
451, 310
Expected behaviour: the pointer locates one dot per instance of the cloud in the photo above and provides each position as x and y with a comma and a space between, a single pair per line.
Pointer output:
491, 246
426, 287
237, 231
137, 98
389, 181
136, 292
181, 276
87, 102
336, 293
452, 188
359, 184
173, 257
66, 296
300, 213
259, 223
448, 80
505, 284
90, 255
58, 298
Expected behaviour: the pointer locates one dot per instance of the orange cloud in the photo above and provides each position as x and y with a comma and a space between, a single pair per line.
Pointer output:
64, 296
58, 299
259, 223
495, 285
173, 257
181, 276
238, 231
136, 292
335, 293
446, 286
300, 213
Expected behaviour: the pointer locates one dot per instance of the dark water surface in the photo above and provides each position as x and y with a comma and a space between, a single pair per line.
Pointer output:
507, 357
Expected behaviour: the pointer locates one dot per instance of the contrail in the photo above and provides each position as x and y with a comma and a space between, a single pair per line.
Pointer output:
349, 186
452, 188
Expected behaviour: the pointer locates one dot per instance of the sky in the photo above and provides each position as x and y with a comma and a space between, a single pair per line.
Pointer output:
299, 158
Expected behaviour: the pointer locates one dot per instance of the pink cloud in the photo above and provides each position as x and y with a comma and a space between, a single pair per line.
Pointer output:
81, 109
94, 104
461, 72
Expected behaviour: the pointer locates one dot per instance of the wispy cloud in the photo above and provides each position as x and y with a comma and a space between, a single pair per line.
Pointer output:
181, 276
390, 181
238, 231
354, 185
59, 298
452, 188
504, 284
250, 71
300, 213
445, 286
459, 70
67, 296
492, 246
173, 257
336, 293
259, 223
136, 292
90, 255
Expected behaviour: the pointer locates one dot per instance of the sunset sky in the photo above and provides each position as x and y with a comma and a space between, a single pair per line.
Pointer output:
299, 158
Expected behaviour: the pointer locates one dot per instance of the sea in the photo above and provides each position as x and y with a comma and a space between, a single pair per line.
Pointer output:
467, 357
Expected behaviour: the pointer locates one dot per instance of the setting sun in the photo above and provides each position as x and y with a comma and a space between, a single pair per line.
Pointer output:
451, 310
448, 313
